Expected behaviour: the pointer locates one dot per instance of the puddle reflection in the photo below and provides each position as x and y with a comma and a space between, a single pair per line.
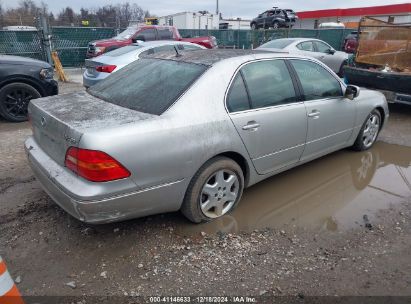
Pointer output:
331, 193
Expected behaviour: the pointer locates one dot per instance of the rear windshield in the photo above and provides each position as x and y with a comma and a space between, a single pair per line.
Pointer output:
276, 44
123, 50
148, 85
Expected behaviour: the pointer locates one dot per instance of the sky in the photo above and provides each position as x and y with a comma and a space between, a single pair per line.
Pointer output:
245, 9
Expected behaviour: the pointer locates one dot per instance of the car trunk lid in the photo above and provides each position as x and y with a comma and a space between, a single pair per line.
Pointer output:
91, 66
60, 121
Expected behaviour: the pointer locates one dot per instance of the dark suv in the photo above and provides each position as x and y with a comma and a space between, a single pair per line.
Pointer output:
274, 18
21, 80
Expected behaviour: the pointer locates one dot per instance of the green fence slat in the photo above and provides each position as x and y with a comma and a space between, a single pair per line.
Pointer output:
71, 42
21, 43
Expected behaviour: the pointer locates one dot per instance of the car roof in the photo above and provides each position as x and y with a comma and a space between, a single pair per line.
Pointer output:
210, 57
299, 39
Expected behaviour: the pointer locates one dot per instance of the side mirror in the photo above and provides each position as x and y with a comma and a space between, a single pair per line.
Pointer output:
352, 92
331, 51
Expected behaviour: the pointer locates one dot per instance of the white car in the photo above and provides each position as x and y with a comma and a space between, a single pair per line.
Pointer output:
102, 66
315, 48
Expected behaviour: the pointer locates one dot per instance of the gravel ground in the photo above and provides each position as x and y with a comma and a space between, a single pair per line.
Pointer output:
55, 255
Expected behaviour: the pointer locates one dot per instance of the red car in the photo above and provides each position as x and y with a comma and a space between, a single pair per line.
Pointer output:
351, 43
145, 33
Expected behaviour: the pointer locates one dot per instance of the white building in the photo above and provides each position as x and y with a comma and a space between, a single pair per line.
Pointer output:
191, 20
235, 24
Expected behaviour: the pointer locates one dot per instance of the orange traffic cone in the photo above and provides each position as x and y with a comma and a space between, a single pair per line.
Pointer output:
9, 294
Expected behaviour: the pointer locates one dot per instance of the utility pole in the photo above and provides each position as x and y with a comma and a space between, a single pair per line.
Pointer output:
45, 37
217, 10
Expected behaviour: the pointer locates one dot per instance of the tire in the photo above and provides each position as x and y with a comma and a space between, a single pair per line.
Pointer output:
369, 132
254, 27
276, 25
214, 191
14, 101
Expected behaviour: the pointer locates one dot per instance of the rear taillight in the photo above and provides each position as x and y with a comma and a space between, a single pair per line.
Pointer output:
95, 166
106, 68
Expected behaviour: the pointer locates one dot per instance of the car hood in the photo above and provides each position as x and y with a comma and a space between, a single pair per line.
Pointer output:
6, 59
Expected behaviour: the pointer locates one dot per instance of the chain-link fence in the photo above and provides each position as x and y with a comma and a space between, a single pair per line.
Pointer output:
71, 42
247, 39
22, 43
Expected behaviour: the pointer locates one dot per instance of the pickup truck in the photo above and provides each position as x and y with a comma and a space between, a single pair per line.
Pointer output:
383, 59
144, 33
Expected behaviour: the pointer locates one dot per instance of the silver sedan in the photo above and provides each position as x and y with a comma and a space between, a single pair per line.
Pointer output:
103, 66
190, 131
315, 48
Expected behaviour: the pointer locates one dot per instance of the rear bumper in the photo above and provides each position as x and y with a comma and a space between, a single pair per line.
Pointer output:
90, 80
58, 183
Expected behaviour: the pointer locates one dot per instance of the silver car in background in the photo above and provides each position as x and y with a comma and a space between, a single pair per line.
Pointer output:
190, 131
102, 66
315, 48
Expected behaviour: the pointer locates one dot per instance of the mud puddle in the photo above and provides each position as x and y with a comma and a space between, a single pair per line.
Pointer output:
333, 193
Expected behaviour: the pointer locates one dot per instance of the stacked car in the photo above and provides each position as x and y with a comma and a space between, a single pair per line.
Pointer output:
274, 18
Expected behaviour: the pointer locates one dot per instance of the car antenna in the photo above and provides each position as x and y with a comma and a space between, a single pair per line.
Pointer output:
177, 53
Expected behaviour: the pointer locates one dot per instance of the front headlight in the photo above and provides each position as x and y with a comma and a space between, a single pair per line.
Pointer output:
47, 73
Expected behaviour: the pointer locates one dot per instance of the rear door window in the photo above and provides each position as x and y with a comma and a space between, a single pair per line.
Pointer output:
148, 85
149, 34
165, 34
269, 83
237, 99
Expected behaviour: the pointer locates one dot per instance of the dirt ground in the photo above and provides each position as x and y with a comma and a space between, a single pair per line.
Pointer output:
340, 225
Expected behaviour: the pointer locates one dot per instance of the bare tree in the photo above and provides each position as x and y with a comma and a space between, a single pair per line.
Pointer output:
1, 15
26, 12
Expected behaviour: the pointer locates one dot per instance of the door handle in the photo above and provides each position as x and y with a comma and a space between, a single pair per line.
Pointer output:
314, 114
251, 126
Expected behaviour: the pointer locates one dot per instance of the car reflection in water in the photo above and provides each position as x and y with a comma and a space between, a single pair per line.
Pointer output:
332, 193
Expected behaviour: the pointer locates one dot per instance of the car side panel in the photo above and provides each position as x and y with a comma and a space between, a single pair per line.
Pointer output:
279, 140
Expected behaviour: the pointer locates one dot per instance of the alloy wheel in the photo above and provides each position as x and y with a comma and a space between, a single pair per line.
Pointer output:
17, 101
219, 193
371, 130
